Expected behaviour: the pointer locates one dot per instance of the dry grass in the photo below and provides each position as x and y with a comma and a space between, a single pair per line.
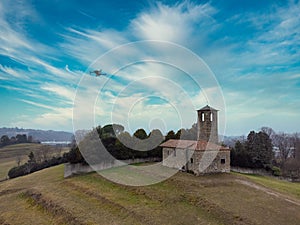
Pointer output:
9, 155
45, 197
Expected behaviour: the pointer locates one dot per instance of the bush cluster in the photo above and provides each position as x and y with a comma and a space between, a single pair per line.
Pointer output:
32, 166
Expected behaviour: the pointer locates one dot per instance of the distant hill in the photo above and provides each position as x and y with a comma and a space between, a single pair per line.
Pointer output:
38, 135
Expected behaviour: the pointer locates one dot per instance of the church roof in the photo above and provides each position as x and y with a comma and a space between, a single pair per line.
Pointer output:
207, 108
193, 145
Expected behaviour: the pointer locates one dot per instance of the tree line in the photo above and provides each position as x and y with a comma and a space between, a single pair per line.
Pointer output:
19, 138
278, 152
33, 165
119, 143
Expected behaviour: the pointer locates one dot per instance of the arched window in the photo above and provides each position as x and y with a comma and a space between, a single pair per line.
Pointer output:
202, 116
211, 117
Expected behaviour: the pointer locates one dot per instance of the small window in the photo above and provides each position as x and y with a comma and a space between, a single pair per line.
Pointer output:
202, 116
192, 160
211, 117
222, 161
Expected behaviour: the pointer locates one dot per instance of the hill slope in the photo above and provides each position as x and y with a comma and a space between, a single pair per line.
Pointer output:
46, 198
11, 154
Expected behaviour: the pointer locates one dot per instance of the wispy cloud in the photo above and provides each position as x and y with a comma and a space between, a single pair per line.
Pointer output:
65, 92
37, 104
8, 71
175, 24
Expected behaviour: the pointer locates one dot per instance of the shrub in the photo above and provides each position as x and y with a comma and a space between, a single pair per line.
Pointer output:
18, 171
276, 171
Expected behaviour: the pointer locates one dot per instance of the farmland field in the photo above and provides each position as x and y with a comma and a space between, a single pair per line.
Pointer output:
9, 155
45, 197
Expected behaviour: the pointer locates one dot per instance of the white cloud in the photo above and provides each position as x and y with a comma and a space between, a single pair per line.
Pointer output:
37, 104
17, 73
141, 79
53, 119
92, 43
173, 24
239, 63
65, 92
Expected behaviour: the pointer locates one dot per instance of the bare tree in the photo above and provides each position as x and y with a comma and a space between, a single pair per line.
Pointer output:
297, 148
285, 144
59, 151
18, 159
295, 139
38, 156
269, 131
46, 152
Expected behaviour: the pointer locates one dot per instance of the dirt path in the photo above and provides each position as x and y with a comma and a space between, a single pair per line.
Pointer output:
269, 191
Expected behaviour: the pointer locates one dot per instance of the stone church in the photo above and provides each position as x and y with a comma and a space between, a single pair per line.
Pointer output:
204, 155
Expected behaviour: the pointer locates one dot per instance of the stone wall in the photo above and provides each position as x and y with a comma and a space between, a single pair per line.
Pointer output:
78, 168
211, 162
176, 158
197, 161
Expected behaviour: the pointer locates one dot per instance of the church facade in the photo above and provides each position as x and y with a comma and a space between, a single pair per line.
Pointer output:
204, 155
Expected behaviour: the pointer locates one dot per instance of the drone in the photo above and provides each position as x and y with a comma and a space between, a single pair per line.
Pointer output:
97, 73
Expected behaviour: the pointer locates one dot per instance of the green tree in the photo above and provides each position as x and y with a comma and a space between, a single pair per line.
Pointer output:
259, 147
118, 129
179, 133
21, 138
140, 133
74, 155
155, 138
4, 140
239, 156
13, 140
110, 130
31, 158
170, 135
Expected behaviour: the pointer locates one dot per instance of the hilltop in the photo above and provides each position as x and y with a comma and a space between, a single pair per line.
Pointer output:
45, 197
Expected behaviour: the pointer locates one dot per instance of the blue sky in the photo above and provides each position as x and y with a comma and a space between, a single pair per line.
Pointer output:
251, 49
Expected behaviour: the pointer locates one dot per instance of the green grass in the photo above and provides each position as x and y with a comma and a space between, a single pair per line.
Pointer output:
44, 197
142, 163
281, 186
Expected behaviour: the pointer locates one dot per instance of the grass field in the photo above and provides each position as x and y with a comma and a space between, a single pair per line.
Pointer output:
45, 197
9, 155
281, 186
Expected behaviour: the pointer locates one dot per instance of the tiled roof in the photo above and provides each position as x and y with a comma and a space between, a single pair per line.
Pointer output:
194, 145
207, 108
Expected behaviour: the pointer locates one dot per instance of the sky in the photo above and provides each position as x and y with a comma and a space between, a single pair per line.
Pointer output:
163, 61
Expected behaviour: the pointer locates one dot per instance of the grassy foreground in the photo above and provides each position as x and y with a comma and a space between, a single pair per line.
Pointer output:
45, 197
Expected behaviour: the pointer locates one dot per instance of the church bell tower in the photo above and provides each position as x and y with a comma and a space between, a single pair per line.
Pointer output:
208, 124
